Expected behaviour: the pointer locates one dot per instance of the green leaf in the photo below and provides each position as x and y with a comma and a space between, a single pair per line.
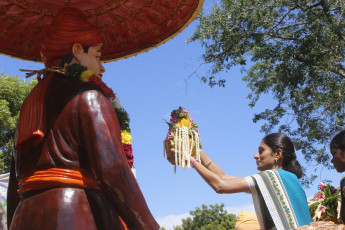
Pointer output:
313, 207
13, 91
210, 217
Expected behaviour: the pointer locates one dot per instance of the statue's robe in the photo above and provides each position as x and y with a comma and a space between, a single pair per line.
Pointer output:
81, 133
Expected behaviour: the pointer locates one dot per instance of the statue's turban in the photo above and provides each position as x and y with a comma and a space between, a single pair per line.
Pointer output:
69, 26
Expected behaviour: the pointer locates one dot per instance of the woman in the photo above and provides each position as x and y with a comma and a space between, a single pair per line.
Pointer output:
279, 199
337, 148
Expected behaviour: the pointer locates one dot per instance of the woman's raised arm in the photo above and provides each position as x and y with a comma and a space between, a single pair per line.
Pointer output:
213, 167
218, 180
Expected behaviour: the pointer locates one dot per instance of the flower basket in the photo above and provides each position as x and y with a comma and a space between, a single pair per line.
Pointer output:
183, 137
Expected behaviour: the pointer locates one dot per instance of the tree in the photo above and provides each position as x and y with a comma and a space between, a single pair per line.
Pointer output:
295, 50
212, 218
13, 91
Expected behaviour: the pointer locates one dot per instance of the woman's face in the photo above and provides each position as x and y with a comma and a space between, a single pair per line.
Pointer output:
338, 159
265, 158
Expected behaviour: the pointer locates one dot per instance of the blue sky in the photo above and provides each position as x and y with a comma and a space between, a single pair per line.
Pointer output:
154, 83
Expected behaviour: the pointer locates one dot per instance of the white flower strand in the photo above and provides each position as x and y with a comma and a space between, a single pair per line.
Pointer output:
191, 148
180, 146
185, 147
182, 149
197, 145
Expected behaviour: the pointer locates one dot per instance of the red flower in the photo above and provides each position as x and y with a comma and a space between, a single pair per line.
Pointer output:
129, 154
97, 81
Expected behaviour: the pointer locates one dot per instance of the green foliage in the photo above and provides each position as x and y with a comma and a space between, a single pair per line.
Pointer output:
298, 51
123, 118
313, 207
179, 113
213, 217
74, 71
13, 91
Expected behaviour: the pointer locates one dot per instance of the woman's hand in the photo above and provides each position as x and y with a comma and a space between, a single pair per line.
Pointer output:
170, 151
171, 160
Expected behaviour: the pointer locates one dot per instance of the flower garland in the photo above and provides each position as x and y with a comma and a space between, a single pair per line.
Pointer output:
183, 135
78, 72
126, 137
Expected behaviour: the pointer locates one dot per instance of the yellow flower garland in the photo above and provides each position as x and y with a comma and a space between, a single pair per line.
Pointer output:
184, 122
126, 137
85, 75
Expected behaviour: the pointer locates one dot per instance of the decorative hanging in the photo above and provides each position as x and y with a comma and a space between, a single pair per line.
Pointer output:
183, 137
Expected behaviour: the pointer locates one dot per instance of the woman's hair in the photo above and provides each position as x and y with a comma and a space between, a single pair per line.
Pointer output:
281, 141
338, 141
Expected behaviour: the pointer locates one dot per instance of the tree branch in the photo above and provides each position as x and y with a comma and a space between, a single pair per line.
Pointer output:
281, 20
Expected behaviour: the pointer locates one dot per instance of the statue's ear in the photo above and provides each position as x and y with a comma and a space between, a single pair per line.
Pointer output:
77, 50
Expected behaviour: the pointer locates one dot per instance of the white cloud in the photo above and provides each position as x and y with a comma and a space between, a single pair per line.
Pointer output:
168, 222
235, 210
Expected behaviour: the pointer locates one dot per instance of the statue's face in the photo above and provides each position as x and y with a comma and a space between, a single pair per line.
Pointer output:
91, 59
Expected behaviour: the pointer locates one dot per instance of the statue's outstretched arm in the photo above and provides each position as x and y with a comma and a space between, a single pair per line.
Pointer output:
101, 139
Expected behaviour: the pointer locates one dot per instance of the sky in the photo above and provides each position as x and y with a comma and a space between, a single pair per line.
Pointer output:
151, 85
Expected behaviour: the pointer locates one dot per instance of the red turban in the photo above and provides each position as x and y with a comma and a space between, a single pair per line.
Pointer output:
69, 26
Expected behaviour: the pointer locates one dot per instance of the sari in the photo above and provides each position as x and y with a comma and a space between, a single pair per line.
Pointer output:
278, 195
341, 212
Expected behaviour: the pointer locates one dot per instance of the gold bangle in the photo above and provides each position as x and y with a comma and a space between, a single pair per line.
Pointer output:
208, 163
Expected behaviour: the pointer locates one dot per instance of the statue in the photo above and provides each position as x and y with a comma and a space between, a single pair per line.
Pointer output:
69, 170
76, 176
